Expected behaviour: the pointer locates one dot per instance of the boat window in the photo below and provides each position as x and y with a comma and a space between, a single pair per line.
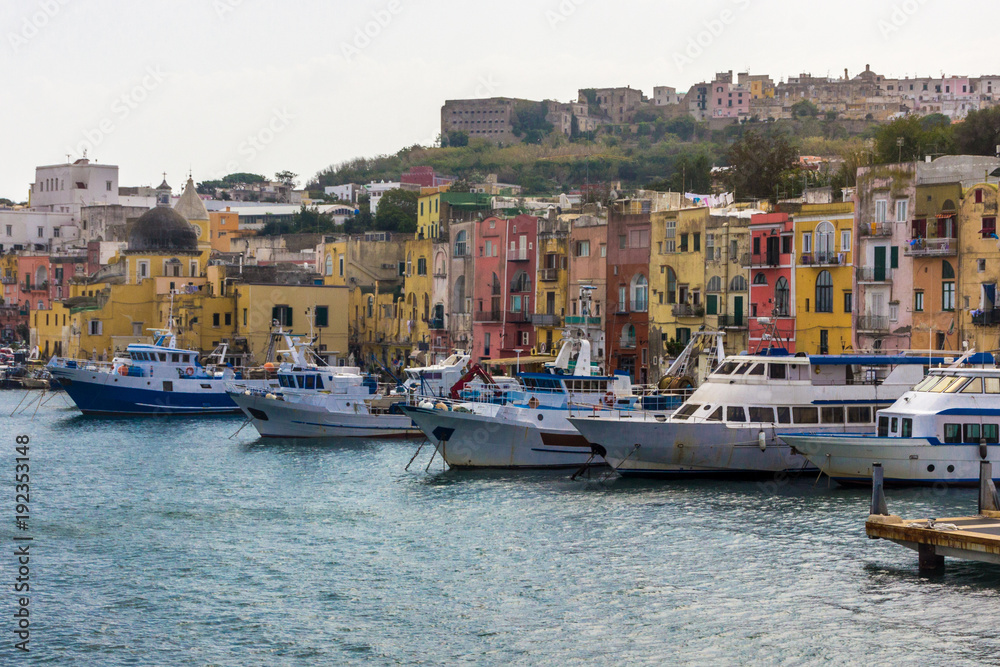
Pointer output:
971, 433
742, 369
726, 368
973, 387
991, 434
805, 415
907, 429
991, 385
715, 416
762, 415
952, 433
163, 356
777, 371
859, 414
686, 411
310, 381
926, 383
784, 415
175, 357
833, 414
301, 381
957, 385
735, 413
942, 384
757, 369
883, 427
319, 381
894, 425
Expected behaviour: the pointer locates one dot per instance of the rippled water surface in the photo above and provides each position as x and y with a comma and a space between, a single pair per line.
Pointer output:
168, 542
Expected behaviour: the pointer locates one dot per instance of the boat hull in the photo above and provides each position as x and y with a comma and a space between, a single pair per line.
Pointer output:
275, 418
101, 393
905, 461
469, 440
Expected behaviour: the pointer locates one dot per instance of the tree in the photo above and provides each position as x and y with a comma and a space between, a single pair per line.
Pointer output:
528, 121
286, 178
911, 137
757, 162
397, 211
461, 185
683, 127
979, 133
804, 108
455, 138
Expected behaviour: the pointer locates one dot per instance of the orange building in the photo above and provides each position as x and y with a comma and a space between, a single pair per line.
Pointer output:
222, 227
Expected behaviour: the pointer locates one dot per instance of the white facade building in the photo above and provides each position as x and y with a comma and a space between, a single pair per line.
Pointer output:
36, 230
346, 192
376, 190
66, 188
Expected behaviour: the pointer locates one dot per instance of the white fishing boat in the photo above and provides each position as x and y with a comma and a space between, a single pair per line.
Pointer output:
315, 400
731, 425
937, 433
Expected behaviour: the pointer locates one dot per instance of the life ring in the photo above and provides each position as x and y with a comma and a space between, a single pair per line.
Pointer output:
189, 371
609, 399
123, 370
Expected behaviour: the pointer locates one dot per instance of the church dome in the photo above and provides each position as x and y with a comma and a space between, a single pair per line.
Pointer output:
162, 229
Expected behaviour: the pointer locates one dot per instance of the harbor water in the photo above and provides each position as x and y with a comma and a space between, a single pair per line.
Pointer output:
168, 542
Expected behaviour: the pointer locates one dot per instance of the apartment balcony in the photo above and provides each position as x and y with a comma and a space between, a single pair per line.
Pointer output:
627, 343
546, 320
519, 317
436, 323
732, 322
687, 310
440, 274
517, 255
871, 274
579, 321
7, 280
873, 323
819, 259
548, 275
40, 287
986, 318
763, 259
488, 316
875, 229
943, 247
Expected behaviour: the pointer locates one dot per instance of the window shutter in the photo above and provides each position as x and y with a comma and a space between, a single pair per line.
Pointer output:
894, 257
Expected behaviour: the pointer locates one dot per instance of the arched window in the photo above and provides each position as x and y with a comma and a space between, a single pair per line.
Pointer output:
947, 286
782, 297
439, 264
41, 275
521, 282
824, 292
329, 265
458, 305
824, 241
640, 293
760, 279
738, 284
461, 245
714, 284
947, 272
671, 286
628, 336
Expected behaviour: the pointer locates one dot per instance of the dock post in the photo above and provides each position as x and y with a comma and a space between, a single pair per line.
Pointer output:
928, 561
878, 494
988, 499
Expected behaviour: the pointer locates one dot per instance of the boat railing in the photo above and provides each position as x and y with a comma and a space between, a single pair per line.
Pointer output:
84, 364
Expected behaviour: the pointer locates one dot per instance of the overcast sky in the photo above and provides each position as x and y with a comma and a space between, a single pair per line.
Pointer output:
253, 85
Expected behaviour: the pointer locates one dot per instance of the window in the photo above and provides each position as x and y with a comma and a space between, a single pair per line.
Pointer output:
805, 415
671, 286
282, 315
901, 205
340, 260
807, 242
583, 248
697, 242
107, 185
973, 387
848, 302
845, 240
762, 415
948, 295
784, 415
824, 292
714, 284
824, 241
229, 319
244, 317
990, 434
621, 241
760, 279
640, 294
782, 297
461, 244
735, 413
684, 243
786, 245
918, 301
622, 299
777, 371
883, 427
738, 284
971, 433
215, 319
881, 207
893, 312
989, 230
757, 369
604, 250
952, 433
859, 414
421, 266
893, 257
322, 317
833, 414
638, 238
329, 265
95, 327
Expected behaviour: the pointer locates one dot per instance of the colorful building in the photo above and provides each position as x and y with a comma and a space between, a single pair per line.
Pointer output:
627, 297
770, 266
588, 251
979, 268
552, 290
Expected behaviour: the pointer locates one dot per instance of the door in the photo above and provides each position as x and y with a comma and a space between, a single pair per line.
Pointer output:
879, 262
738, 311
711, 304
773, 248
550, 303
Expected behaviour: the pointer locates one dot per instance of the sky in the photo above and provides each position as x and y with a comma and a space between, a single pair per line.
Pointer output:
218, 86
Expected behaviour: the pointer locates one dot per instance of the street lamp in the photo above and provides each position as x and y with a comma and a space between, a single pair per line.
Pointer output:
518, 351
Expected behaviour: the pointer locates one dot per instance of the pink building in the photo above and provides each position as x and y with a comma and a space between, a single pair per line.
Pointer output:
728, 100
772, 279
424, 177
504, 287
33, 281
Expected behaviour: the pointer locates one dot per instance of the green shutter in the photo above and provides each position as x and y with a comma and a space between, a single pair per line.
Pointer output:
711, 304
894, 257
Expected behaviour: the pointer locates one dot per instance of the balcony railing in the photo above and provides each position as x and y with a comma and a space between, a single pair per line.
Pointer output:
546, 320
819, 259
583, 321
875, 229
986, 318
628, 343
732, 322
942, 247
873, 323
761, 259
871, 274
687, 310
436, 323
518, 316
517, 255
548, 275
38, 287
487, 316
7, 280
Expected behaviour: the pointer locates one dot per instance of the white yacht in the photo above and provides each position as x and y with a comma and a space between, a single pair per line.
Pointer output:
936, 433
730, 425
315, 400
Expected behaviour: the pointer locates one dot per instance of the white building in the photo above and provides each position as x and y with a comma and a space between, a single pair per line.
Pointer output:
346, 192
663, 95
66, 188
36, 230
376, 190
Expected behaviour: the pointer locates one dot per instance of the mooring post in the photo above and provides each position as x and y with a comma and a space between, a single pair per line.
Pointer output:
927, 559
878, 493
988, 499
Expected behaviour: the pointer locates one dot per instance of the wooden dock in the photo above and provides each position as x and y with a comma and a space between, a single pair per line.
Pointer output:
968, 537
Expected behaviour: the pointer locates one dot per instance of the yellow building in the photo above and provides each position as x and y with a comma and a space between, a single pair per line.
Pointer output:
979, 268
727, 296
824, 277
552, 284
